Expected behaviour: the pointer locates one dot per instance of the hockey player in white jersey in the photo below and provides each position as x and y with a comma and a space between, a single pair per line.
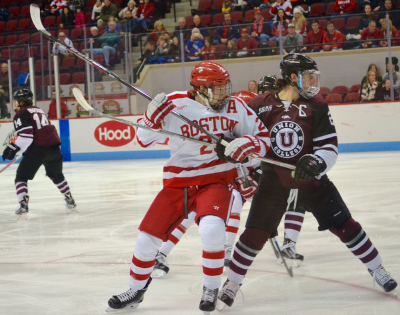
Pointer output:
194, 174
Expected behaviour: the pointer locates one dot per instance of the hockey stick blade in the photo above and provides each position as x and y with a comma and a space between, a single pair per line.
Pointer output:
82, 101
288, 269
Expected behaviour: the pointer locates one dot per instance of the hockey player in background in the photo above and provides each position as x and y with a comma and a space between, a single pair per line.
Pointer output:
302, 133
40, 144
194, 177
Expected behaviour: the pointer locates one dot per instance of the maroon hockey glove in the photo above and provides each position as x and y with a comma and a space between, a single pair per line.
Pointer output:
158, 108
10, 152
308, 167
243, 147
247, 193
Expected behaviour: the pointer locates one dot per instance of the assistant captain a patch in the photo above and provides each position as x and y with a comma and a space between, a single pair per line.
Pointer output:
287, 139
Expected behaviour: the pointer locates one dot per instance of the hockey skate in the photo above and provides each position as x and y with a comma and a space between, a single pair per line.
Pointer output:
128, 299
288, 250
22, 211
208, 300
227, 259
228, 294
383, 278
161, 267
70, 202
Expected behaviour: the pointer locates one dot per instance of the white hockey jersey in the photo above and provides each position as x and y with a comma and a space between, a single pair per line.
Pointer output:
193, 164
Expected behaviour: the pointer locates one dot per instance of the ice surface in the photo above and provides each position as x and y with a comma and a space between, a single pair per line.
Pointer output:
66, 263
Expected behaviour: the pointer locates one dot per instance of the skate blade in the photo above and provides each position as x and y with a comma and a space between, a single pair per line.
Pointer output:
395, 293
158, 274
22, 217
294, 263
128, 307
220, 305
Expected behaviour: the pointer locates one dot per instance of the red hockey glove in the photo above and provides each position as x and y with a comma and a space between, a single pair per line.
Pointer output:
243, 147
158, 108
247, 193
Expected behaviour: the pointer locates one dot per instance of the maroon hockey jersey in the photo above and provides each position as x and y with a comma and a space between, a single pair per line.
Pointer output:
31, 125
297, 128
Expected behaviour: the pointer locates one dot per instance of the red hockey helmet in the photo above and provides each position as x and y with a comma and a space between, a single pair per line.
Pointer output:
246, 96
211, 75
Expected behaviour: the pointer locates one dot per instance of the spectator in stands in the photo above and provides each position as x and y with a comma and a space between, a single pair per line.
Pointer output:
252, 86
4, 81
109, 9
260, 28
163, 46
370, 90
203, 29
372, 34
292, 42
281, 22
187, 32
144, 12
61, 50
148, 54
230, 51
396, 74
194, 45
227, 30
94, 38
52, 113
207, 52
241, 5
246, 45
314, 38
394, 15
3, 108
226, 6
97, 10
367, 17
109, 43
333, 39
67, 18
372, 67
175, 50
45, 9
386, 92
128, 23
80, 21
286, 6
344, 7
260, 4
57, 6
75, 4
299, 21
374, 4
159, 30
394, 33
131, 7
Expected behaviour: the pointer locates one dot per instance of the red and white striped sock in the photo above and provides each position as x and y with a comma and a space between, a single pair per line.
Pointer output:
177, 234
213, 267
22, 190
293, 224
232, 226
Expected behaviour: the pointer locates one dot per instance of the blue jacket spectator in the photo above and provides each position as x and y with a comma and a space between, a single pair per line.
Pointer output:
194, 45
197, 24
227, 30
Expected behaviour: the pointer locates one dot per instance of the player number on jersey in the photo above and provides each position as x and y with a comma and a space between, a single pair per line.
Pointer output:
40, 122
17, 123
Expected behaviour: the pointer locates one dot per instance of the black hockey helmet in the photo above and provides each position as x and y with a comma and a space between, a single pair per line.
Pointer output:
24, 97
267, 83
306, 70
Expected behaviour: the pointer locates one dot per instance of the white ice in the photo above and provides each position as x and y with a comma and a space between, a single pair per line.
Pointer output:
66, 263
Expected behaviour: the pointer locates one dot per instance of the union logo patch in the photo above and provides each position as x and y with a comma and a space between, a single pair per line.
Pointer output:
287, 139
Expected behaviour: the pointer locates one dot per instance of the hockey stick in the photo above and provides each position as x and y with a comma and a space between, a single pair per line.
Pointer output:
82, 101
15, 159
288, 269
273, 247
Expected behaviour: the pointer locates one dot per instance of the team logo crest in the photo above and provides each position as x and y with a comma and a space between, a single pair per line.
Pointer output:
287, 139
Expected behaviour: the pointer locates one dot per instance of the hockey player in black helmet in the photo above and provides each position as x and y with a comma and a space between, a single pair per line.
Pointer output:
303, 134
267, 84
40, 144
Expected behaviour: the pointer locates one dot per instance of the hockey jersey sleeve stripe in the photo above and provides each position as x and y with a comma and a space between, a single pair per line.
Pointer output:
174, 96
23, 143
326, 146
177, 170
25, 128
331, 135
24, 135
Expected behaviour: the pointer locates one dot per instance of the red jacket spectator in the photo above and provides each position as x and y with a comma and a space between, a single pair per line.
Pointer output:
155, 35
52, 114
246, 42
80, 21
282, 4
315, 38
336, 37
366, 34
208, 53
59, 4
345, 6
275, 29
145, 10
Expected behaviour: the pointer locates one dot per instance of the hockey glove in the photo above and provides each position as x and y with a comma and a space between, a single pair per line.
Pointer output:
246, 192
158, 108
243, 147
308, 167
10, 152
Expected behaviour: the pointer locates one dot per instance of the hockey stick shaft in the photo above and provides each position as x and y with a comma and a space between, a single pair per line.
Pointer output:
15, 159
273, 247
288, 269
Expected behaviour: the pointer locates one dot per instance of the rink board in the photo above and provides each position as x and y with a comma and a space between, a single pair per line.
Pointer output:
360, 128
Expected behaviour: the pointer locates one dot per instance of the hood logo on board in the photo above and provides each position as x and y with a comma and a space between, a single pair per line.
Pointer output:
114, 134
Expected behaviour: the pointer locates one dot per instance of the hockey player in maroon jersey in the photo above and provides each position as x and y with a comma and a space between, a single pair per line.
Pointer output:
194, 178
302, 133
40, 144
